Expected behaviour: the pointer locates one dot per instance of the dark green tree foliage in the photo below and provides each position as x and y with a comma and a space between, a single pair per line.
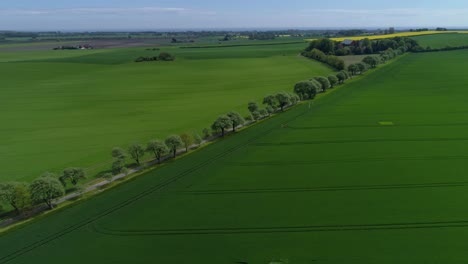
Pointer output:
271, 101
173, 143
45, 190
253, 107
372, 61
324, 83
74, 175
206, 133
269, 110
157, 148
15, 194
341, 77
353, 69
333, 80
283, 99
119, 156
257, 115
361, 67
325, 45
197, 139
306, 90
364, 46
136, 151
236, 120
294, 98
118, 153
331, 60
164, 56
118, 166
221, 124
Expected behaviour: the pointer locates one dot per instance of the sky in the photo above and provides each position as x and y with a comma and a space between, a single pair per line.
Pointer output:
101, 15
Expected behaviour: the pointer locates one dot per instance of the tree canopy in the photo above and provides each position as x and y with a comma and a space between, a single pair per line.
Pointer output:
45, 189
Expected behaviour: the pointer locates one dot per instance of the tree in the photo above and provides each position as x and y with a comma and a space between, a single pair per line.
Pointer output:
157, 148
307, 89
136, 151
371, 61
361, 67
265, 112
352, 68
118, 153
283, 99
221, 124
324, 83
187, 139
108, 177
253, 107
164, 56
270, 100
173, 143
333, 80
197, 139
206, 133
45, 189
73, 175
256, 115
118, 166
269, 110
294, 98
341, 77
119, 156
15, 194
236, 120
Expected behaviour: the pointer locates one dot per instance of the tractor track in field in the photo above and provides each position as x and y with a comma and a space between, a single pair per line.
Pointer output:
282, 163
329, 189
13, 255
285, 229
376, 126
351, 141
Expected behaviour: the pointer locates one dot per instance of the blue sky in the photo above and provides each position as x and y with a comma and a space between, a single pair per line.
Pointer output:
192, 14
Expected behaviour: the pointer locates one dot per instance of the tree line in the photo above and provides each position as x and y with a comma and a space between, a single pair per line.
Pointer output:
360, 47
319, 55
163, 56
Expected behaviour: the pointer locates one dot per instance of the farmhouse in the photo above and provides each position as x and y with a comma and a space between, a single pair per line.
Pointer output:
348, 42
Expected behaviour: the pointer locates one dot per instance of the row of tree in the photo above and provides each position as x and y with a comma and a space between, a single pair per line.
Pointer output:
22, 196
319, 55
163, 56
359, 47
307, 90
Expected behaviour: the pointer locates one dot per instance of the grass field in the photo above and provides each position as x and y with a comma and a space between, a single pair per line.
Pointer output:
374, 172
70, 108
442, 41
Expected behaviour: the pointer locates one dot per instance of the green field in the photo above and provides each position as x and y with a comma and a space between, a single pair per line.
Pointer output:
374, 172
442, 40
70, 108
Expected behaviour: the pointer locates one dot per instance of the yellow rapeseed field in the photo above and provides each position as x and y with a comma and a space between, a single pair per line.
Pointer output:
399, 34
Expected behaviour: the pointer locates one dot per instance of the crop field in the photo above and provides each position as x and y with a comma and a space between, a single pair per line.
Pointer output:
63, 109
374, 172
442, 41
352, 59
400, 34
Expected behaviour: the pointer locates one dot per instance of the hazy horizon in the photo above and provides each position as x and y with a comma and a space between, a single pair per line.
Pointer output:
177, 15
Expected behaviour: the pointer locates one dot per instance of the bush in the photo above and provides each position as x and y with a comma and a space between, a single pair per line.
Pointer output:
257, 115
